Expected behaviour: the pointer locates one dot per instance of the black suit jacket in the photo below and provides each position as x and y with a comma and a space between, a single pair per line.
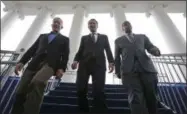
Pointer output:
88, 49
55, 53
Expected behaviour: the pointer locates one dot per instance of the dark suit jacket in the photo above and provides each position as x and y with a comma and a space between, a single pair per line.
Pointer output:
88, 49
55, 53
126, 50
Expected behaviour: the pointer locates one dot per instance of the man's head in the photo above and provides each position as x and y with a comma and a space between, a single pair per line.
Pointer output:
57, 24
93, 25
126, 26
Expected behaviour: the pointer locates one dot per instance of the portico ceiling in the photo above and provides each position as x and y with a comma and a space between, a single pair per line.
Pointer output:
31, 7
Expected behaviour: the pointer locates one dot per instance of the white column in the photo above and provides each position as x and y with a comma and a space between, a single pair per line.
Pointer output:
172, 36
75, 31
7, 21
35, 29
119, 17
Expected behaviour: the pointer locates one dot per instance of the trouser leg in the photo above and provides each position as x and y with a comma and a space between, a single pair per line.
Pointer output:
82, 89
135, 93
149, 81
98, 82
36, 90
21, 92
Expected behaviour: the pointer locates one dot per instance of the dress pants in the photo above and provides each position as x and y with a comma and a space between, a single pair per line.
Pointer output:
142, 92
98, 82
30, 90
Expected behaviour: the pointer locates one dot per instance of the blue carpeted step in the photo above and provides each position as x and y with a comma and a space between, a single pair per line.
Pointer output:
9, 92
60, 108
52, 108
5, 87
73, 88
67, 93
73, 101
90, 85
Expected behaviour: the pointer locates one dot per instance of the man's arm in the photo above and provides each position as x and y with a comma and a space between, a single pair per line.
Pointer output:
64, 56
117, 60
108, 51
30, 52
150, 47
80, 51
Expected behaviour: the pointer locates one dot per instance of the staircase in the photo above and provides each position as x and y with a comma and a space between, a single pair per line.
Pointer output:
63, 100
172, 89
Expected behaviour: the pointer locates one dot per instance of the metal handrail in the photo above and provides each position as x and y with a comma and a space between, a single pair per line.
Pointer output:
168, 64
170, 72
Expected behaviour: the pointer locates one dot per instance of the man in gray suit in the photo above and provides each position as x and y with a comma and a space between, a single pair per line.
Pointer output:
136, 70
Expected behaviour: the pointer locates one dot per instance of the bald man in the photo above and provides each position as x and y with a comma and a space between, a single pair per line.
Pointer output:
49, 55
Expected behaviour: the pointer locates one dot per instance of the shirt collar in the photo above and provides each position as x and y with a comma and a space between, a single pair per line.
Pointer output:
95, 33
53, 32
131, 34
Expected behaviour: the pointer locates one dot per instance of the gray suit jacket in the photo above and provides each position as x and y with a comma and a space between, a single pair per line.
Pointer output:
126, 50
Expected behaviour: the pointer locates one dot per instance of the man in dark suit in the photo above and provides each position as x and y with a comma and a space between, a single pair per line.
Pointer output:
137, 70
91, 59
49, 56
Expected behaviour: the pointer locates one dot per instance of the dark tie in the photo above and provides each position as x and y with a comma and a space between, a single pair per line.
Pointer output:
131, 38
93, 37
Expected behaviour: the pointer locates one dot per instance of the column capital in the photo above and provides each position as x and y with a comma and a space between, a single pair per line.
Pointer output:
184, 14
6, 9
52, 15
45, 8
159, 6
118, 6
79, 6
147, 14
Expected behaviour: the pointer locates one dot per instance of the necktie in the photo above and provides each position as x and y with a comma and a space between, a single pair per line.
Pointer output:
131, 38
93, 37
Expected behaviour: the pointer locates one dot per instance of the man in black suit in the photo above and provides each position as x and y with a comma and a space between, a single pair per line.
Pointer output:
91, 59
49, 55
137, 70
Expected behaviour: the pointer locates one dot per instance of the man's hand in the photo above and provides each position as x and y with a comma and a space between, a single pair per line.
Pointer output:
18, 68
74, 65
155, 51
59, 73
111, 67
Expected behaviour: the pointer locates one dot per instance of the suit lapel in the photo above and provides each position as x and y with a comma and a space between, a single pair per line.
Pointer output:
126, 39
135, 38
98, 38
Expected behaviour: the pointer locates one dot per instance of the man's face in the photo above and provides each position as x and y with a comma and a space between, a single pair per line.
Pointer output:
57, 24
127, 27
92, 25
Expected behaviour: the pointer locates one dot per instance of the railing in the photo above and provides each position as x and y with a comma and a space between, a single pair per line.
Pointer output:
172, 87
8, 61
171, 74
172, 80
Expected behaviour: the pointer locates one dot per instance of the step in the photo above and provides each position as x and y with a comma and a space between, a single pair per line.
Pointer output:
73, 88
73, 101
67, 93
90, 85
53, 108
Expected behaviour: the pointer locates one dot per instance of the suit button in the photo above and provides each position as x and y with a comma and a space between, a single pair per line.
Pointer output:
45, 51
